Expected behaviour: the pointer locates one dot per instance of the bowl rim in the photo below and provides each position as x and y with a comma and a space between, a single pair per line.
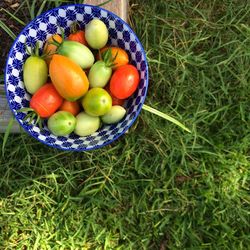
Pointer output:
139, 108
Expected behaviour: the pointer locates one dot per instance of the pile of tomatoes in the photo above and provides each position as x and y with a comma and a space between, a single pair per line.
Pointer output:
79, 83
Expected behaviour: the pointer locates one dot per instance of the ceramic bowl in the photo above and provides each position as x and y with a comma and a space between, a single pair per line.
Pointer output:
52, 22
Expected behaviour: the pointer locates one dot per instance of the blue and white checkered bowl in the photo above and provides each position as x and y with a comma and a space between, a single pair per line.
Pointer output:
50, 23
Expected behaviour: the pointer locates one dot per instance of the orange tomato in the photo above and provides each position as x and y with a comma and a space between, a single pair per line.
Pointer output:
68, 78
49, 48
72, 107
120, 55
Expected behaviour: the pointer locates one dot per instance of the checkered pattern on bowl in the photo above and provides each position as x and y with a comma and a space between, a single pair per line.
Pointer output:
52, 22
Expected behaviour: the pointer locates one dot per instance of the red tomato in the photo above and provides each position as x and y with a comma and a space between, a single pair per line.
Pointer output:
124, 81
77, 35
115, 101
72, 107
46, 101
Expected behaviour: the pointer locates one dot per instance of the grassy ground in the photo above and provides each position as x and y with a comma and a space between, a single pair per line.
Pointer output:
158, 187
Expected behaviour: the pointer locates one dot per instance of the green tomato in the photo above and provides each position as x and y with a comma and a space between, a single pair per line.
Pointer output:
99, 74
62, 123
35, 73
86, 124
77, 52
115, 114
97, 102
96, 34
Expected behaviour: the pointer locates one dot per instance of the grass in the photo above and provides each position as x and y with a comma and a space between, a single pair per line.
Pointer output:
158, 187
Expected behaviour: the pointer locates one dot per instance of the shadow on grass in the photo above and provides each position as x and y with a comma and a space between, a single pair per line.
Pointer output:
21, 163
28, 162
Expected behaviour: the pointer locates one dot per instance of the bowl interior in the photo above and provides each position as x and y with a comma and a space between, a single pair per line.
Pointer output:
52, 22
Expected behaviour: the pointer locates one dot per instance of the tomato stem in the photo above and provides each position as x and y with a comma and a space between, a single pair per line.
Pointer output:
37, 49
27, 117
33, 51
55, 42
45, 55
75, 26
30, 116
106, 56
62, 32
29, 52
24, 110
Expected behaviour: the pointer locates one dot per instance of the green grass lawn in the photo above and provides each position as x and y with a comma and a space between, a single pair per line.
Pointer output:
158, 187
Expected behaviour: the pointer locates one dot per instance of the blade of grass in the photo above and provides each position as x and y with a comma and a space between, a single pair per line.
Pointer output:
165, 116
6, 134
2, 79
19, 7
41, 8
101, 4
32, 10
7, 30
28, 5
59, 2
13, 16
